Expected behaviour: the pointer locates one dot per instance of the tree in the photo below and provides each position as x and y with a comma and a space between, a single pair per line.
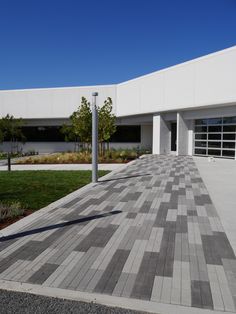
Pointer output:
11, 130
1, 136
106, 123
70, 135
80, 127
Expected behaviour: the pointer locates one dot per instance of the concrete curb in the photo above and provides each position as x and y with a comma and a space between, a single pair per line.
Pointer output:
113, 301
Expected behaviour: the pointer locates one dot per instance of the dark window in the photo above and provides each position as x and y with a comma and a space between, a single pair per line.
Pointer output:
214, 152
200, 151
229, 136
214, 144
214, 136
229, 128
200, 144
215, 121
229, 120
214, 128
228, 153
229, 145
43, 134
200, 129
127, 134
201, 122
200, 136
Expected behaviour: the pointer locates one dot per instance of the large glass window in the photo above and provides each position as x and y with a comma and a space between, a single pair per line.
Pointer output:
201, 136
127, 134
43, 134
199, 151
201, 129
200, 144
215, 137
123, 134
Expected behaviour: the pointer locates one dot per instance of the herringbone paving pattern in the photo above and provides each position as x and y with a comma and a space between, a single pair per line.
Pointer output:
150, 232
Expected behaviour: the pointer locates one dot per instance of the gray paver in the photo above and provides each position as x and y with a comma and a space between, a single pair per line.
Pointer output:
166, 244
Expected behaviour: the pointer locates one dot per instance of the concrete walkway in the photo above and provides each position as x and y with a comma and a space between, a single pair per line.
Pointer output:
62, 167
220, 179
147, 237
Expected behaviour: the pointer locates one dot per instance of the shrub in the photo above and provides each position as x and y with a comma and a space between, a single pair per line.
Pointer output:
10, 210
113, 155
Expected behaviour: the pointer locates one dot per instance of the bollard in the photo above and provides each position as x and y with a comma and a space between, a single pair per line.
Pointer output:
94, 139
9, 162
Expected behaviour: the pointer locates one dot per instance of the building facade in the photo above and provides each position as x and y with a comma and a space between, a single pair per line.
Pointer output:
187, 109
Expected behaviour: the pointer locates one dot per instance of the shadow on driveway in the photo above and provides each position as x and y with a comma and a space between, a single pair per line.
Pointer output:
123, 178
56, 226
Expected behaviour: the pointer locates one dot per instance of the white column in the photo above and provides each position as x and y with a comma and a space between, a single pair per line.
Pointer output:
156, 135
161, 135
190, 124
182, 143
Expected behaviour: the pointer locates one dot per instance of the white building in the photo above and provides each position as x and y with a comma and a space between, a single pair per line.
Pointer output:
189, 108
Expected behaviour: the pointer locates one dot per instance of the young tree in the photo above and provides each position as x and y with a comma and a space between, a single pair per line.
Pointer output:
106, 123
69, 134
1, 135
11, 130
80, 128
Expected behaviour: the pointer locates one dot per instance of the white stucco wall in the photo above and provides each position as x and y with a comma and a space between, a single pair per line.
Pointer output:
205, 81
51, 102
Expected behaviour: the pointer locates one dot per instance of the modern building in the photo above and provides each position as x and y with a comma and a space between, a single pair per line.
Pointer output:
187, 109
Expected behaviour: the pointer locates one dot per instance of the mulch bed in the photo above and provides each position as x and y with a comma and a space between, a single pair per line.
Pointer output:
7, 222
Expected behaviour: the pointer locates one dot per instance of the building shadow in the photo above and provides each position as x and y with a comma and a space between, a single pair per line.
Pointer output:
59, 225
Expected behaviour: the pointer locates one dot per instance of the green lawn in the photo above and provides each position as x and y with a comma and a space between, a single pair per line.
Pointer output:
36, 189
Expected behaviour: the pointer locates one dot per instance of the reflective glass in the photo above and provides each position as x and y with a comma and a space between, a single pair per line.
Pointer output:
201, 122
229, 136
200, 129
201, 136
214, 144
214, 136
200, 151
229, 128
228, 144
228, 153
215, 121
215, 128
214, 152
229, 120
200, 144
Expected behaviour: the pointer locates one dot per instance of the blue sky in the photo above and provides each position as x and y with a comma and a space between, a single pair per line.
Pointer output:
49, 43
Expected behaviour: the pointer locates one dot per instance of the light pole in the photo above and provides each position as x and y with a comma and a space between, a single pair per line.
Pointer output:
94, 139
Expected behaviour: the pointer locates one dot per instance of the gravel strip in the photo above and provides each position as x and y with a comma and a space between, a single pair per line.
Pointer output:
26, 303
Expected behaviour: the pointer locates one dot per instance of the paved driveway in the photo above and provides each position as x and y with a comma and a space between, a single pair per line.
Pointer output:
150, 232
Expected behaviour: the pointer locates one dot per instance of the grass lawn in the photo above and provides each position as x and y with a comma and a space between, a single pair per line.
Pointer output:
36, 189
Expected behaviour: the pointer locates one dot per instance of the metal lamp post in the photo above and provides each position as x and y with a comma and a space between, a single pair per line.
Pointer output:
94, 139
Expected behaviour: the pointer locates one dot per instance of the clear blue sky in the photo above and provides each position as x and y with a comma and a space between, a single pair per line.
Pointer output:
47, 43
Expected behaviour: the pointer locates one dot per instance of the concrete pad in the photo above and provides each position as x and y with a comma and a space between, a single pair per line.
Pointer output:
220, 179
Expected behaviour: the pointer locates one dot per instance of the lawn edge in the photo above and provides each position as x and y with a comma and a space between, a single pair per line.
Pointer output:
24, 222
